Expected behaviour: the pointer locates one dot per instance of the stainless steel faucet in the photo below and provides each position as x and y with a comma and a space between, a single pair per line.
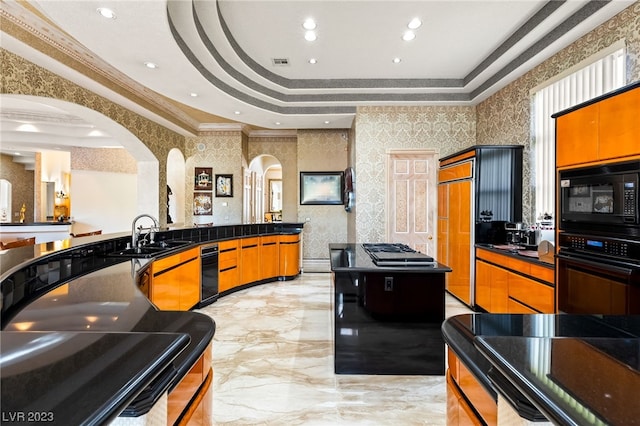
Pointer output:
135, 233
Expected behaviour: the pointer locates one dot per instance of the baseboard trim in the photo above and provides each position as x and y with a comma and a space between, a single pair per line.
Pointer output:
316, 265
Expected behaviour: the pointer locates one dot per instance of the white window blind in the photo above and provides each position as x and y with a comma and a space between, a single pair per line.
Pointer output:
603, 73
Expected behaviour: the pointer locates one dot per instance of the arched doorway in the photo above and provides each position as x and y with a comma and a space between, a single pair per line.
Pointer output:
264, 194
176, 178
112, 202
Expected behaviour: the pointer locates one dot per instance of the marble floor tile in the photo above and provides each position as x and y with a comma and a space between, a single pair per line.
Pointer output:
273, 364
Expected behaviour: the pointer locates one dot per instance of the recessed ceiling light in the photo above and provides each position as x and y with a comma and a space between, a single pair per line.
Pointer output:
236, 112
17, 153
414, 24
313, 61
193, 94
277, 123
151, 65
326, 122
396, 60
106, 13
408, 35
309, 24
310, 36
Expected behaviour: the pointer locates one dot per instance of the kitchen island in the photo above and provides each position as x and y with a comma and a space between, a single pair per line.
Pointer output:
565, 369
387, 318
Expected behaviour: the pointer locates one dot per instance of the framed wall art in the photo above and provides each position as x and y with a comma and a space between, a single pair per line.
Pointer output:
203, 179
224, 185
321, 187
202, 203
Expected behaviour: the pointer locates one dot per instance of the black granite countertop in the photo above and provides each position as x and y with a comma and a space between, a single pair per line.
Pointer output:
516, 254
571, 369
352, 257
63, 354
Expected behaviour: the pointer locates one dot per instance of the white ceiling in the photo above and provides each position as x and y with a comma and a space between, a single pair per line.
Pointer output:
224, 51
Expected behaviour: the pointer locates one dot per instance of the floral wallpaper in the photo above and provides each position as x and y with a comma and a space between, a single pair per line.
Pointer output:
20, 76
443, 128
117, 160
283, 148
21, 187
322, 151
505, 118
222, 151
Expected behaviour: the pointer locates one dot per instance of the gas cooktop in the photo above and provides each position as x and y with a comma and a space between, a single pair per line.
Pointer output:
394, 254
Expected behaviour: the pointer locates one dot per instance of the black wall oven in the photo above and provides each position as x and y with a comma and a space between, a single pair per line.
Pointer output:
601, 199
209, 274
598, 275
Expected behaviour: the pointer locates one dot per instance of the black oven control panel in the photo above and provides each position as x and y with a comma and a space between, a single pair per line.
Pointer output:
613, 247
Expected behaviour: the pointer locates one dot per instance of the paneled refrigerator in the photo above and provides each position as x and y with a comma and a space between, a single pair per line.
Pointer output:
479, 184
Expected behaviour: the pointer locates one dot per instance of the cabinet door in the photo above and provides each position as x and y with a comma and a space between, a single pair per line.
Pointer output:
249, 260
483, 285
189, 279
289, 255
532, 293
165, 288
269, 257
577, 136
619, 125
459, 256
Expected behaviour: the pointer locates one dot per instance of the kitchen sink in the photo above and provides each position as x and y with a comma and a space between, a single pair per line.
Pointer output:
150, 250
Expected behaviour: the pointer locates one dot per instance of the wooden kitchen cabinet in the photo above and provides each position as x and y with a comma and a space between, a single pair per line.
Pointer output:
465, 392
492, 292
467, 184
269, 256
604, 129
175, 282
228, 255
289, 261
577, 136
458, 245
250, 260
506, 284
619, 125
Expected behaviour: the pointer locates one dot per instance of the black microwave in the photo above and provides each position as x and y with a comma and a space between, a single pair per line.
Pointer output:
601, 198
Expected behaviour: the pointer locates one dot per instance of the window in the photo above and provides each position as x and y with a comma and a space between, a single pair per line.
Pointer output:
593, 77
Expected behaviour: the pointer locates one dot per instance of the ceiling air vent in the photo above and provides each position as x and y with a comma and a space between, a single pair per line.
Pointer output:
280, 62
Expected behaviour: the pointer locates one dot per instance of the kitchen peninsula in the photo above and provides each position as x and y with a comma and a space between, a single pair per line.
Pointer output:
388, 309
75, 312
563, 368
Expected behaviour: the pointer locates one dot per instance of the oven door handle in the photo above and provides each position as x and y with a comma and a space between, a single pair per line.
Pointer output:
599, 266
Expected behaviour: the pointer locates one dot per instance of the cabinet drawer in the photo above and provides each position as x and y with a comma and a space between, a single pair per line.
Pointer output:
492, 257
167, 262
542, 273
227, 263
289, 239
532, 293
248, 243
268, 240
519, 265
516, 307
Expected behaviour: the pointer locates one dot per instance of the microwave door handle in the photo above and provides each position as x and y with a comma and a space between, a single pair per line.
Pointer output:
598, 266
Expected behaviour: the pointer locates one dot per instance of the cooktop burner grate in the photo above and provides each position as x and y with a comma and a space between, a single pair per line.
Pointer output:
390, 254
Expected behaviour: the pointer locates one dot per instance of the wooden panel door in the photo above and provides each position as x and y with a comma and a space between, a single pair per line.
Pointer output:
412, 199
459, 258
